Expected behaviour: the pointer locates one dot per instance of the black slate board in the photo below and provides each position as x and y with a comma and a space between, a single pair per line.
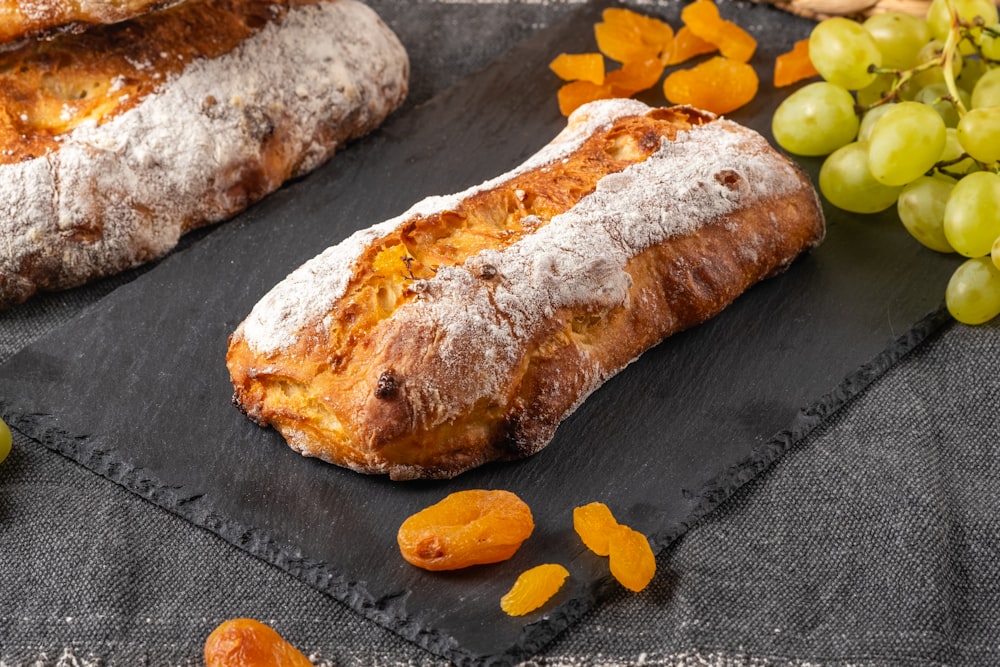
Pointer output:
136, 388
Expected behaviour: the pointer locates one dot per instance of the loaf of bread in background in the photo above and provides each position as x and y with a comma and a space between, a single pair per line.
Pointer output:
21, 20
466, 329
117, 140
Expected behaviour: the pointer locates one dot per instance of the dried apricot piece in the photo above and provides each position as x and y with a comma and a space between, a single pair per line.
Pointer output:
718, 85
634, 77
579, 67
793, 66
472, 527
702, 17
594, 523
630, 558
577, 93
533, 588
625, 35
687, 45
245, 642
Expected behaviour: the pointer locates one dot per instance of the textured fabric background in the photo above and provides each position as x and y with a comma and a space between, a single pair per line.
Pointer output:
876, 541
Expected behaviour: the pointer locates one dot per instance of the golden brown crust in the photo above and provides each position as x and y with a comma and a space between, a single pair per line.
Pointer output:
443, 351
116, 141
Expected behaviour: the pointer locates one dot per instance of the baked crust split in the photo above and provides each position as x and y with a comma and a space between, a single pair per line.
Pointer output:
466, 329
116, 141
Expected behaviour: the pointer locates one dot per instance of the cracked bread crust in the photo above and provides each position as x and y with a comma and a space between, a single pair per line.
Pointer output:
465, 330
116, 141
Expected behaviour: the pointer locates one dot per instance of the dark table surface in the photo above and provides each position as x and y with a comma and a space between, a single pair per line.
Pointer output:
873, 541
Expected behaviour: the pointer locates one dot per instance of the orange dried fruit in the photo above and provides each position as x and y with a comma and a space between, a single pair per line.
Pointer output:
533, 588
577, 93
594, 523
626, 36
634, 77
687, 45
579, 67
794, 66
245, 642
630, 558
718, 85
702, 17
472, 527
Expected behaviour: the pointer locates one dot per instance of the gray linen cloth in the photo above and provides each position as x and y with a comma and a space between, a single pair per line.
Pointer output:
875, 541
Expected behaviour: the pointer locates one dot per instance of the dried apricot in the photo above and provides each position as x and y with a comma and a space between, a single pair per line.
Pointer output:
594, 524
579, 67
687, 45
634, 77
718, 85
466, 528
244, 642
630, 558
702, 17
793, 66
626, 36
533, 589
577, 93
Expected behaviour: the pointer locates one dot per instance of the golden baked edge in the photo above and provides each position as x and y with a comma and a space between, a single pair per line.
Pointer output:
477, 354
119, 188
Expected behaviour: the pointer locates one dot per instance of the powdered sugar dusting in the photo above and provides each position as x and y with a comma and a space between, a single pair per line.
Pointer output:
311, 290
577, 260
120, 193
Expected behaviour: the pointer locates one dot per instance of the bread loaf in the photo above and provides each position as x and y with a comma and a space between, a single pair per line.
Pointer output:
466, 329
116, 141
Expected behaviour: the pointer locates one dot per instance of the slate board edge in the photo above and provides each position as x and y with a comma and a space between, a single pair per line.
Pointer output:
721, 487
44, 429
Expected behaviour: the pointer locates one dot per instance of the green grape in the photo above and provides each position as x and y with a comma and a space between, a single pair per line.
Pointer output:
972, 215
979, 133
939, 18
5, 440
842, 52
899, 37
973, 293
933, 51
905, 143
954, 160
816, 119
876, 91
989, 42
937, 97
995, 253
986, 93
972, 70
921, 209
847, 183
869, 119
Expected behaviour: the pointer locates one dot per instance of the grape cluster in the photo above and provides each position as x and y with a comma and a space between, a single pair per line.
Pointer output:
908, 115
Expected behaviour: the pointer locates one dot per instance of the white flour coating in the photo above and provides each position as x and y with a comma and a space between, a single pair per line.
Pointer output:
577, 259
311, 290
175, 158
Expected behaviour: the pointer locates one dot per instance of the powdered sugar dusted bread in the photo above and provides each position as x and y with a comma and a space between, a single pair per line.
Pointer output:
466, 329
116, 141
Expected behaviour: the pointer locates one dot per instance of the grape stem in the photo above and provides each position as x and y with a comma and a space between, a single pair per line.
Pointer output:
948, 59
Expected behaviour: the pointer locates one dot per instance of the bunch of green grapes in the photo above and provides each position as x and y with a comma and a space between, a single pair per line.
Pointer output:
908, 115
